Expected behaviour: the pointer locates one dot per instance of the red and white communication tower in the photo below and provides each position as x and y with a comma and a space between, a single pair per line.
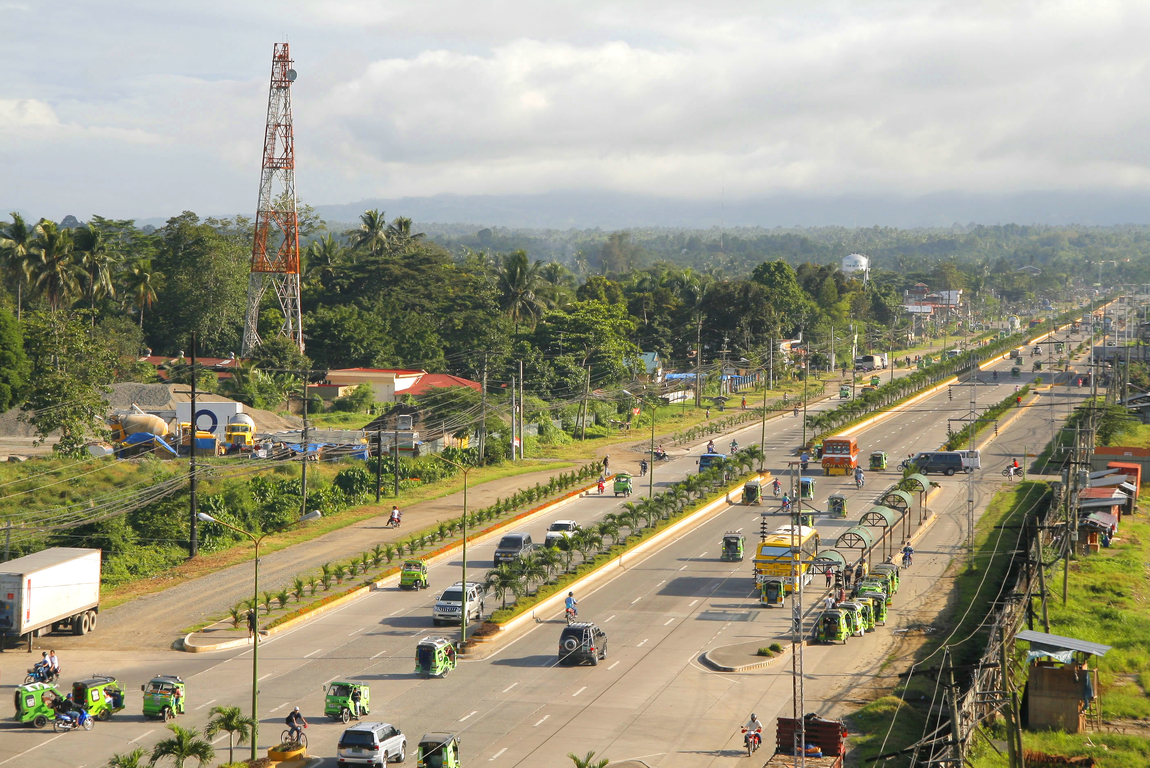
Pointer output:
275, 249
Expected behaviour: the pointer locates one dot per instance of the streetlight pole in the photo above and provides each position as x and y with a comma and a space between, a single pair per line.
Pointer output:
463, 613
255, 607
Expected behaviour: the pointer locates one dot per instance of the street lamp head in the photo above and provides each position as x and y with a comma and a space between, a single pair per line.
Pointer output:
313, 515
205, 517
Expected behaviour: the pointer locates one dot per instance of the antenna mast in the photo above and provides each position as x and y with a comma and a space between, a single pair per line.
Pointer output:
275, 248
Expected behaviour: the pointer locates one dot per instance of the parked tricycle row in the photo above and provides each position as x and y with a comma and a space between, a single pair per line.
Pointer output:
863, 611
97, 697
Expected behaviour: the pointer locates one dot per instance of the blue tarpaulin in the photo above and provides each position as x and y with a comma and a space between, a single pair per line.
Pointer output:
311, 447
147, 437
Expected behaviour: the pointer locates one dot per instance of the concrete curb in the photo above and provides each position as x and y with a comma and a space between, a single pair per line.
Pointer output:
614, 567
451, 551
706, 657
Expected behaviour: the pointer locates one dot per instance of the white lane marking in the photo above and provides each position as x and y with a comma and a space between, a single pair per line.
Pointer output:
139, 738
206, 703
349, 634
508, 688
579, 691
534, 726
703, 554
281, 706
612, 616
474, 712
692, 603
497, 754
221, 737
42, 743
637, 599
617, 664
683, 568
640, 645
265, 677
668, 622
325, 682
376, 656
401, 610
739, 530
313, 653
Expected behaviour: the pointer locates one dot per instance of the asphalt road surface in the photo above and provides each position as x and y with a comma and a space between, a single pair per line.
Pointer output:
651, 699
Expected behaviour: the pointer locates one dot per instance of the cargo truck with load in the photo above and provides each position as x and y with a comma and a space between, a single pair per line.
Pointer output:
56, 589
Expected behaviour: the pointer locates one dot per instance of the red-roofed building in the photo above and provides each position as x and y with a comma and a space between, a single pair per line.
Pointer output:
430, 380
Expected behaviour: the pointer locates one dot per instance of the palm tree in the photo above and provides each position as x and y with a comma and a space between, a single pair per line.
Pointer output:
372, 235
239, 727
184, 745
15, 242
53, 270
97, 260
549, 558
588, 761
133, 759
516, 285
589, 540
138, 283
502, 580
323, 258
399, 231
529, 569
609, 528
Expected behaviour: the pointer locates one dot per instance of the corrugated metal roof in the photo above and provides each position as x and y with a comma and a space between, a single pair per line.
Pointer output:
1099, 503
1102, 473
1063, 643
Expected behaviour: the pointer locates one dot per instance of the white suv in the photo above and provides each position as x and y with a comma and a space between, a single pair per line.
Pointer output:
449, 607
560, 529
371, 744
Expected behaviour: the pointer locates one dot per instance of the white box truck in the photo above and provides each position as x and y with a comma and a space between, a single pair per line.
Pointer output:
57, 588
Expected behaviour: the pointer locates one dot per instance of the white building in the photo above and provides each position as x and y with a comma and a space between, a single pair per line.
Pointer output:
856, 262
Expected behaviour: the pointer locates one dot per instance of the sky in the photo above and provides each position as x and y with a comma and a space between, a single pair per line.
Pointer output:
144, 109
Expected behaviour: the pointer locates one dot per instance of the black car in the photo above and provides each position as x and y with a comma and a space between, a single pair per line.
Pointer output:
513, 546
582, 641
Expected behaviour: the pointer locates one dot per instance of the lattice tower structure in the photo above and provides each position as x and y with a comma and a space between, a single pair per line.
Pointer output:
275, 247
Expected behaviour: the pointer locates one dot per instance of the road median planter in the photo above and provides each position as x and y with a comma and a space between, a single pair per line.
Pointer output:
285, 752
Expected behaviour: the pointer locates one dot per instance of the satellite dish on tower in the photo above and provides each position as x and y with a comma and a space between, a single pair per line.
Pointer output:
291, 75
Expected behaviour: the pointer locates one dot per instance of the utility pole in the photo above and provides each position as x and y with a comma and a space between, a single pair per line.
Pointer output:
194, 535
798, 701
303, 464
699, 363
586, 395
395, 444
522, 414
483, 416
763, 436
514, 407
952, 699
379, 463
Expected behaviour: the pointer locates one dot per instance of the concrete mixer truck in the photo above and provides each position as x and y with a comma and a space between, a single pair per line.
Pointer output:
239, 433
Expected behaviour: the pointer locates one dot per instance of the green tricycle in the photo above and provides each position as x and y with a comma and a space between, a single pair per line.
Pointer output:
435, 656
101, 695
623, 484
832, 627
732, 547
36, 704
874, 381
1015, 372
878, 584
878, 461
438, 750
806, 487
752, 492
344, 699
877, 600
413, 575
864, 613
890, 571
852, 618
772, 592
163, 697
837, 505
844, 393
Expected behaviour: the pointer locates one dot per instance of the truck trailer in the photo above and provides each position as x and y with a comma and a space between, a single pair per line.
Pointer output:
56, 589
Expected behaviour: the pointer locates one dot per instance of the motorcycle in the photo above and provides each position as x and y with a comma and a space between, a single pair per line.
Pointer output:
662, 456
859, 483
39, 673
775, 488
642, 469
752, 740
570, 616
66, 722
393, 522
906, 558
734, 447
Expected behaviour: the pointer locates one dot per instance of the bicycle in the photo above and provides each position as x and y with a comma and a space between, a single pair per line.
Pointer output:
286, 738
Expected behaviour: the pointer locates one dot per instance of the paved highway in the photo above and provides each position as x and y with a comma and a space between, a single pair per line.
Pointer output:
650, 698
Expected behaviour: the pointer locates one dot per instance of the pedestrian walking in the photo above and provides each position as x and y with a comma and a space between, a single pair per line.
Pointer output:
828, 602
830, 577
842, 595
253, 624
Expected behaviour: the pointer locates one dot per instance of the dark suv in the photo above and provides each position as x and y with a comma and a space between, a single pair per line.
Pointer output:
513, 546
582, 641
946, 462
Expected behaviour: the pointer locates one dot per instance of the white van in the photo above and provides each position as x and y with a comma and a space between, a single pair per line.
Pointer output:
971, 460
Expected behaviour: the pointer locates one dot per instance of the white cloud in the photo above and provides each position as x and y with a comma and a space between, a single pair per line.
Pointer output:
685, 99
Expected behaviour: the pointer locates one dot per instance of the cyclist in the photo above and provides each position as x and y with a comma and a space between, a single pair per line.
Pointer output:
776, 487
796, 411
293, 720
570, 603
804, 460
907, 554
860, 481
642, 467
996, 375
734, 446
711, 446
786, 502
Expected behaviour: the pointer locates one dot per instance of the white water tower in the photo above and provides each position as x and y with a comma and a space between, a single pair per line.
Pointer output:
854, 263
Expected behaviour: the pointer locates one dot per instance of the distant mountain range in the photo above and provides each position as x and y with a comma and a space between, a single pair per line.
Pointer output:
612, 210
609, 210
